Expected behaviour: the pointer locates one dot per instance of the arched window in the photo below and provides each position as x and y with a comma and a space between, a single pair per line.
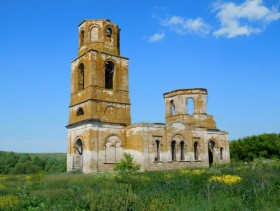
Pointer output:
82, 38
221, 153
113, 150
172, 107
77, 164
173, 150
94, 34
211, 146
81, 78
157, 149
109, 74
190, 106
195, 150
79, 146
109, 32
182, 150
80, 112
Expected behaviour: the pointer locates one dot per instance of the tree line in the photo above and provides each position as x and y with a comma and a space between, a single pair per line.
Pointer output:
14, 163
256, 146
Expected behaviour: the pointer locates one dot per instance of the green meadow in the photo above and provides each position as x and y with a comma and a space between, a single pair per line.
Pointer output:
253, 186
250, 182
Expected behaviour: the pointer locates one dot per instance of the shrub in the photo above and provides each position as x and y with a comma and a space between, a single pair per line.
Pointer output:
127, 165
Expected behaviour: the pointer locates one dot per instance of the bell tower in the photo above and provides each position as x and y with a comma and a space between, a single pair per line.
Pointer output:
99, 76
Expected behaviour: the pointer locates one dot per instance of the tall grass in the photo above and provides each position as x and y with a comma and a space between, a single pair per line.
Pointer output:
215, 188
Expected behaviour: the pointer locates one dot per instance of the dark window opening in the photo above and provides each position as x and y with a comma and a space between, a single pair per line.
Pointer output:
195, 149
109, 74
173, 150
157, 157
81, 78
211, 146
182, 150
80, 112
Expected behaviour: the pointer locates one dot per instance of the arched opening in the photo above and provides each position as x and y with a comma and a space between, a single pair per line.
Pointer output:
211, 146
109, 32
190, 106
182, 150
173, 150
221, 153
79, 146
94, 34
82, 37
81, 78
80, 112
78, 156
113, 149
109, 74
172, 107
108, 37
157, 148
195, 150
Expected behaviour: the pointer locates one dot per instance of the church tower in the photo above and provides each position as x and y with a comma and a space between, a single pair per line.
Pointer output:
99, 93
99, 85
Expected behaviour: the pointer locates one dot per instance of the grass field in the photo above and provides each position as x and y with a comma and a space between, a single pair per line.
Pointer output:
255, 186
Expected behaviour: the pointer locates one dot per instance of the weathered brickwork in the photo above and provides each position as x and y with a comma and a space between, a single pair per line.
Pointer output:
100, 129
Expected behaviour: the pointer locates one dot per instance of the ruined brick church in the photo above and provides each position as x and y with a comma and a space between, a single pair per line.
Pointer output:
100, 129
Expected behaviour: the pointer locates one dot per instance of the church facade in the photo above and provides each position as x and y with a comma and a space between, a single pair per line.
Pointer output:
100, 129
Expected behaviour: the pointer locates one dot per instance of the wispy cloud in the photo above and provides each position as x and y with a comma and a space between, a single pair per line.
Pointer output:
157, 37
184, 26
250, 17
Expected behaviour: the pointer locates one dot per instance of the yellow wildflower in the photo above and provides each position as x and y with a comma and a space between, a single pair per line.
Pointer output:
8, 202
198, 171
195, 171
227, 179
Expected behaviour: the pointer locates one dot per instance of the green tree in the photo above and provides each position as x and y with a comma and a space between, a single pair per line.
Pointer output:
8, 161
252, 147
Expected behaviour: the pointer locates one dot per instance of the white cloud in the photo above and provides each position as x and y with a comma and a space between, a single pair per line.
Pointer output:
187, 26
157, 37
248, 18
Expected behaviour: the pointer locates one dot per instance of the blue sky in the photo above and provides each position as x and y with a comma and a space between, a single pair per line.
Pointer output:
229, 47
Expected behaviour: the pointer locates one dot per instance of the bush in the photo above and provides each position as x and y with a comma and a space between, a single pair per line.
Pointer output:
127, 166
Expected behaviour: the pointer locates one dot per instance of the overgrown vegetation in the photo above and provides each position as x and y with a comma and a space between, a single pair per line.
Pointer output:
127, 165
14, 163
255, 186
252, 147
